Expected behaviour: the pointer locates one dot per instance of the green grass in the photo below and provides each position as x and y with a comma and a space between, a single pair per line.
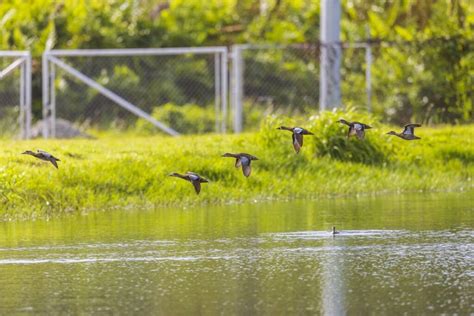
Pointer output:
114, 172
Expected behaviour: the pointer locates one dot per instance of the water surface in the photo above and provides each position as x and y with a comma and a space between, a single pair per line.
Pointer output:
402, 254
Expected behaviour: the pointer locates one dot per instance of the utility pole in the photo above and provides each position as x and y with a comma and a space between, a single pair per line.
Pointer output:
331, 53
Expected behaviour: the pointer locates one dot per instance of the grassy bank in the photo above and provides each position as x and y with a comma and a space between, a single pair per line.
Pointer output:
115, 172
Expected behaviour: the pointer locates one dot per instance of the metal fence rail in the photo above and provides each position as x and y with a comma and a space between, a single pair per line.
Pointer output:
137, 89
15, 94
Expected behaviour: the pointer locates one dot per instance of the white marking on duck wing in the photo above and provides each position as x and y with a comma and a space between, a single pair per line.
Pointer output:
193, 177
408, 130
298, 130
358, 127
45, 153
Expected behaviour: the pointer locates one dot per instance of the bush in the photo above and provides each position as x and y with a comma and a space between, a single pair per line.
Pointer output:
185, 119
330, 137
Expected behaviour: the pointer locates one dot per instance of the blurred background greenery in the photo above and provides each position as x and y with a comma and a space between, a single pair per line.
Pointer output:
423, 52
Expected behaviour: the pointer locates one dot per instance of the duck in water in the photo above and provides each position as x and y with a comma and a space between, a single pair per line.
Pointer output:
242, 160
297, 136
43, 155
192, 177
355, 128
334, 231
408, 132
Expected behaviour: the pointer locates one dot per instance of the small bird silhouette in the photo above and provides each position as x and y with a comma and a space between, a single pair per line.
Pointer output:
408, 132
334, 231
242, 160
355, 128
297, 136
192, 177
43, 155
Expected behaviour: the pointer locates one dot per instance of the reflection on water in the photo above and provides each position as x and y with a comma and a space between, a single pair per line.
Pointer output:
411, 254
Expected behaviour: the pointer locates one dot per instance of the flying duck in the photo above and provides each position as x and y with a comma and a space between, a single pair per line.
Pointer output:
355, 128
297, 136
242, 160
43, 155
408, 132
192, 177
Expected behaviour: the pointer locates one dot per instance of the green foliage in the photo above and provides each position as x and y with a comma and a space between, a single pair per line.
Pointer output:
123, 171
185, 119
413, 79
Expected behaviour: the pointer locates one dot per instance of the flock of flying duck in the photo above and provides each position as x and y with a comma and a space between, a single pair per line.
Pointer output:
243, 160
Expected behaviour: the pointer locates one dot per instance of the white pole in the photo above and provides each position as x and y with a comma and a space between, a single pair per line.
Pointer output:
28, 96
224, 87
45, 86
217, 91
22, 117
329, 89
237, 87
53, 99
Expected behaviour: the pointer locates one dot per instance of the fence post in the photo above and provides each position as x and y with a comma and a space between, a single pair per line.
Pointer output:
237, 87
52, 102
217, 90
45, 89
329, 89
22, 118
224, 89
28, 92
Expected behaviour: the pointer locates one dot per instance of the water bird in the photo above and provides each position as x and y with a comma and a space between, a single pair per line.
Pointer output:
334, 231
355, 128
192, 177
408, 132
242, 160
297, 136
43, 155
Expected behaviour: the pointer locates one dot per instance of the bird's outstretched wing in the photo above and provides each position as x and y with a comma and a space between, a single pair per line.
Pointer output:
409, 129
246, 170
197, 186
238, 162
53, 161
297, 141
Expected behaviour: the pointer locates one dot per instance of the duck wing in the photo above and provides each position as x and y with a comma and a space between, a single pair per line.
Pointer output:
246, 169
197, 186
53, 161
359, 130
409, 129
351, 132
297, 141
238, 162
360, 134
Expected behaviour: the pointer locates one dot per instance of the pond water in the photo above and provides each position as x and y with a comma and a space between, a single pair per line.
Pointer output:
395, 254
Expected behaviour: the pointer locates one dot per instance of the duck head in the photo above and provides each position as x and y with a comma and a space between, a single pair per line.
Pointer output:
391, 133
227, 155
28, 152
343, 121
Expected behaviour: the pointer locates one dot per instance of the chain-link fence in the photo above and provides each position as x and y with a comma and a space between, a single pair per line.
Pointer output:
270, 79
15, 94
426, 81
130, 90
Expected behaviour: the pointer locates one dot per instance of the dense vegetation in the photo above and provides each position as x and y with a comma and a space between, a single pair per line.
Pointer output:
423, 52
132, 171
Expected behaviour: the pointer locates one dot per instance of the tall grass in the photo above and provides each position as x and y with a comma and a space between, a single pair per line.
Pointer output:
133, 171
